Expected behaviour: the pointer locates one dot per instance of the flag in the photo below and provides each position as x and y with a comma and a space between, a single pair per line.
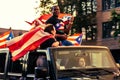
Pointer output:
43, 18
76, 39
5, 37
20, 45
36, 23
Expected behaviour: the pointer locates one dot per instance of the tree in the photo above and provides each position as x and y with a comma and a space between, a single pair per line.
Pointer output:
44, 6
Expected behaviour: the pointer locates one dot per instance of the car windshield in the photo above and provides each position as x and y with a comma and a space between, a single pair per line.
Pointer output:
83, 61
80, 58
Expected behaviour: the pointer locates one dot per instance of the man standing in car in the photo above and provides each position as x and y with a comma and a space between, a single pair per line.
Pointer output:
61, 31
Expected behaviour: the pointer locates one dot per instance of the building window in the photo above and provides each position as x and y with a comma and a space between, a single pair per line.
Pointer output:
89, 7
109, 4
112, 5
117, 3
90, 33
109, 29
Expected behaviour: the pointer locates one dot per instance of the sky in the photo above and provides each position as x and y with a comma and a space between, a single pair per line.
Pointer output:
14, 13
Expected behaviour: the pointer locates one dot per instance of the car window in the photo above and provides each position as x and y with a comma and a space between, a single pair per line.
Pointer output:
84, 58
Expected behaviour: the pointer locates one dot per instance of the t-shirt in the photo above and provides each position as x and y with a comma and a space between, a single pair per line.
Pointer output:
57, 23
47, 43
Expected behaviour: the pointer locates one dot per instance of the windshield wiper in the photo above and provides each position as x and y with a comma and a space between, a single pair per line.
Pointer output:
97, 71
72, 73
75, 73
89, 73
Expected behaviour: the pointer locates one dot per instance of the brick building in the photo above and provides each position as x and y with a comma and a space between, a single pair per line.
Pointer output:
105, 27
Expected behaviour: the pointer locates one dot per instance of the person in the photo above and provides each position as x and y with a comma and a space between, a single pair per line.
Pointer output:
61, 31
82, 62
51, 42
40, 59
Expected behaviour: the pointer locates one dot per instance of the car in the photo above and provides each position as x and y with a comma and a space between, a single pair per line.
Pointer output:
68, 63
64, 63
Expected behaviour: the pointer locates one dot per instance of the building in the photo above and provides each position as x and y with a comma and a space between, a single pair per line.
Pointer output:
15, 32
104, 27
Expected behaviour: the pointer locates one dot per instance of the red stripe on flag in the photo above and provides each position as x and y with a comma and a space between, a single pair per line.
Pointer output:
3, 46
3, 43
4, 34
3, 38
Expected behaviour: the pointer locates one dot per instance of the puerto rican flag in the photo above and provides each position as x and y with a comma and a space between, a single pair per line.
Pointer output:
21, 45
43, 18
76, 39
8, 35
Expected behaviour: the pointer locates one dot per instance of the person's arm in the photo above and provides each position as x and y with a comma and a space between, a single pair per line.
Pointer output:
62, 36
55, 44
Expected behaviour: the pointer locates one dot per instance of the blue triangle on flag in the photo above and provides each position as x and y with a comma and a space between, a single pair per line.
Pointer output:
10, 36
79, 39
58, 25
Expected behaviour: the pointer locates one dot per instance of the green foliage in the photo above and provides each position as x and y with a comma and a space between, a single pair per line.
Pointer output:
116, 33
45, 6
115, 16
115, 19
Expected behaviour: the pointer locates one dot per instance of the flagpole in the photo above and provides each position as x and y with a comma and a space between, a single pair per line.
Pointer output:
81, 38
